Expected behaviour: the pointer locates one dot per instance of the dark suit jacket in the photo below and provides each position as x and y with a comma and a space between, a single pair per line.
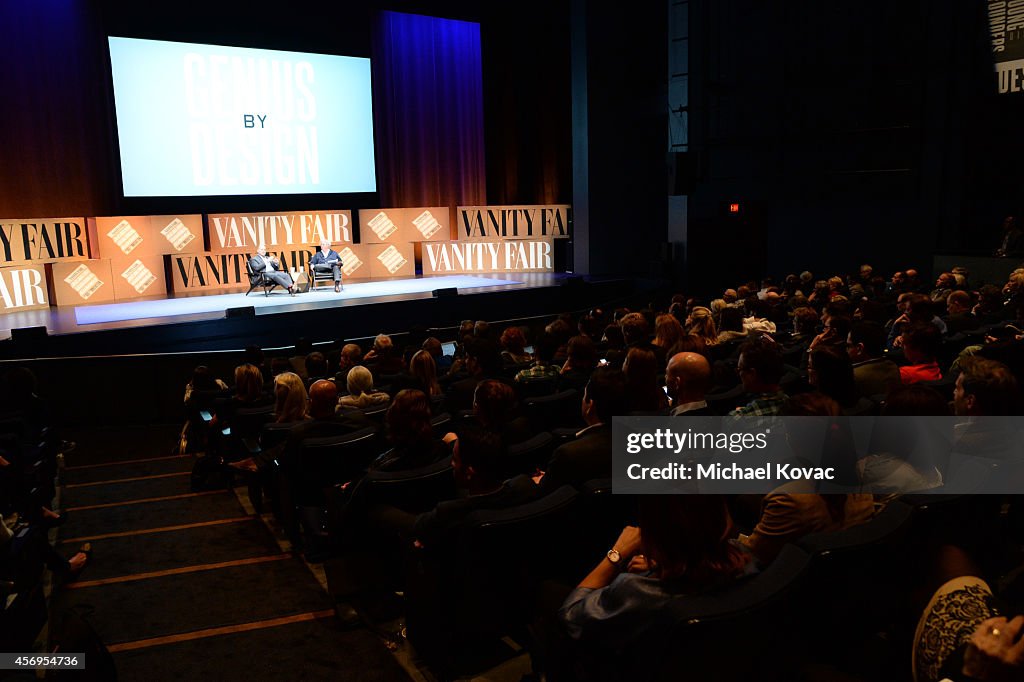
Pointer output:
584, 459
320, 259
258, 266
961, 323
450, 514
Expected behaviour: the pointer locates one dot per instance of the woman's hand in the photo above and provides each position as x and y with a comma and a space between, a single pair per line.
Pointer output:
995, 651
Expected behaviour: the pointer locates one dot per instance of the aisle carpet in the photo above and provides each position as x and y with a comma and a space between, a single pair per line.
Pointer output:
188, 587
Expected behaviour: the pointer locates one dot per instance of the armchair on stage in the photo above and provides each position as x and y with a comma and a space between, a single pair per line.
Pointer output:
259, 279
325, 266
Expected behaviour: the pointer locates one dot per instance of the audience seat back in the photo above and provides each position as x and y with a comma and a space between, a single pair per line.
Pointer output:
560, 409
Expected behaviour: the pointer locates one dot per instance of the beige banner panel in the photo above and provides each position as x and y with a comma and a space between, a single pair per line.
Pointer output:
43, 240
244, 232
525, 255
396, 225
125, 239
82, 283
138, 277
23, 288
513, 222
391, 260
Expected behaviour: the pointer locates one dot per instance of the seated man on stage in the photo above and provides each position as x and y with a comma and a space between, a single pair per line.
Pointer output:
271, 267
327, 260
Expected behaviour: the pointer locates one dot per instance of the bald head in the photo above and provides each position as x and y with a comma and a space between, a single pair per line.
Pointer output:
688, 377
323, 398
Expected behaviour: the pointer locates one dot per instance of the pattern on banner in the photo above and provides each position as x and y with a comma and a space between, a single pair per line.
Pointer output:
392, 259
84, 281
350, 262
178, 234
125, 237
382, 225
427, 224
139, 276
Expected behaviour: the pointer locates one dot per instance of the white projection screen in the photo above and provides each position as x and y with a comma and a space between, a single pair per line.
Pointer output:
207, 120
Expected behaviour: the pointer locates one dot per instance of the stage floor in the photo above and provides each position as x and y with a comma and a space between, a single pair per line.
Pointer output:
173, 310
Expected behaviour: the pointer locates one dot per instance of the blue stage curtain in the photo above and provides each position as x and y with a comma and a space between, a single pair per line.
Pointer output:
428, 110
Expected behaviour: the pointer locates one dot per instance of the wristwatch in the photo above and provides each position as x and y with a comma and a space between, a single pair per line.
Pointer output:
614, 557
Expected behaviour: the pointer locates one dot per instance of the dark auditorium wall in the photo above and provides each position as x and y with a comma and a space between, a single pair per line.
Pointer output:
848, 132
620, 136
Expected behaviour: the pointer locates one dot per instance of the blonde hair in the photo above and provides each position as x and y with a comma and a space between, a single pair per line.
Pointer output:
292, 399
248, 382
701, 324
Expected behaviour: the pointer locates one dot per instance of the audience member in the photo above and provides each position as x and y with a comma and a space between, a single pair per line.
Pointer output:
589, 456
291, 398
580, 364
361, 394
513, 343
410, 434
688, 378
643, 393
921, 347
760, 368
872, 373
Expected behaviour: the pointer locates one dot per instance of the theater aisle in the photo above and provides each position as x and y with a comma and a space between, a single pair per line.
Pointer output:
186, 586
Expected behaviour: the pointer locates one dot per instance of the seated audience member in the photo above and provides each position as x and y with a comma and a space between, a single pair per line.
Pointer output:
495, 408
410, 433
203, 382
361, 394
895, 464
805, 324
383, 359
635, 331
830, 371
990, 309
682, 548
324, 420
560, 331
613, 345
424, 373
667, 332
918, 310
921, 347
542, 370
279, 365
291, 399
760, 368
482, 329
688, 378
476, 463
316, 367
944, 286
350, 356
796, 509
513, 344
441, 361
248, 393
34, 551
756, 319
701, 324
730, 325
985, 388
643, 393
483, 361
580, 364
959, 317
589, 456
872, 373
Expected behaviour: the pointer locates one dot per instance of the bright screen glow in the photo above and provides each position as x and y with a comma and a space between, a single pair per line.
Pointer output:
206, 120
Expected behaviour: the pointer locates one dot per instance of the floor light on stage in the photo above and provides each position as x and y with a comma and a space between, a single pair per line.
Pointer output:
445, 293
244, 311
29, 335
